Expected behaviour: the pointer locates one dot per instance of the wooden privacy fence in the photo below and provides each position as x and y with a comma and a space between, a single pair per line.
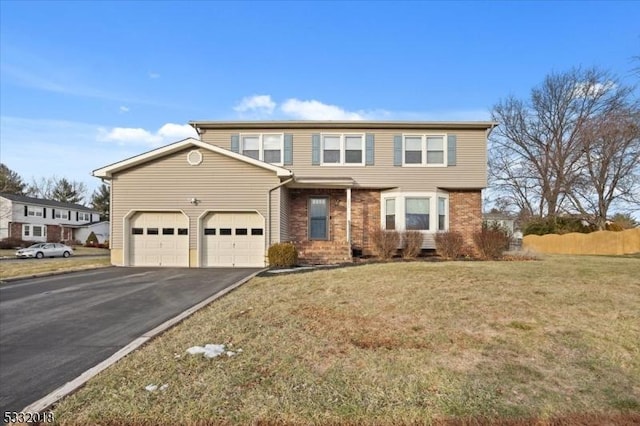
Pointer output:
599, 242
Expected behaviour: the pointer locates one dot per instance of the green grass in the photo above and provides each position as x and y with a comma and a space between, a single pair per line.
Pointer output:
28, 267
394, 343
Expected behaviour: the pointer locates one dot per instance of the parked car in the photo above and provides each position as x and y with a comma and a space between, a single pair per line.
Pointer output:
45, 250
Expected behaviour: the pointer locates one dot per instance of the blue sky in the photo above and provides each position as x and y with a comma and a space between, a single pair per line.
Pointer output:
84, 84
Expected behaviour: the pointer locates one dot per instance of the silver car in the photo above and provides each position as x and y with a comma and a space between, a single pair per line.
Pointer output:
45, 250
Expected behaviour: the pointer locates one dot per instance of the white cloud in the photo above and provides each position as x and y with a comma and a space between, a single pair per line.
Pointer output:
316, 110
154, 75
590, 89
256, 104
168, 133
124, 109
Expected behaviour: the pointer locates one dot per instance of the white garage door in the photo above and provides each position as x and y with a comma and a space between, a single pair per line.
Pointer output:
233, 239
159, 239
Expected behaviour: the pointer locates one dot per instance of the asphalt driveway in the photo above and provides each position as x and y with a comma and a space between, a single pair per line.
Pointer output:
53, 329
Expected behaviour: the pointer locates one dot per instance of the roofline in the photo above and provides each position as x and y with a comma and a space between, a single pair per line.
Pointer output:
38, 202
107, 171
353, 124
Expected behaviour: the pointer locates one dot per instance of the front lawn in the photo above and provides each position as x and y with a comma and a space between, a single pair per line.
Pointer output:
28, 267
391, 344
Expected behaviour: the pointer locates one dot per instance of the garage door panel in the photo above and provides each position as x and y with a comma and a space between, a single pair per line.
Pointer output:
233, 239
160, 239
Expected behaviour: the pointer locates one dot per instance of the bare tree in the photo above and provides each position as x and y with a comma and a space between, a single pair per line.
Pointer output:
535, 153
59, 189
42, 188
610, 174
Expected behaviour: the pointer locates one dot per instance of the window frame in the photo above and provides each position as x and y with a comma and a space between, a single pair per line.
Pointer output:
343, 149
400, 209
59, 212
424, 149
28, 228
33, 211
327, 216
83, 216
261, 149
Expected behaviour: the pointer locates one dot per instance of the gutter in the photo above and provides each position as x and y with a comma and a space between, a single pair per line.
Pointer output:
268, 239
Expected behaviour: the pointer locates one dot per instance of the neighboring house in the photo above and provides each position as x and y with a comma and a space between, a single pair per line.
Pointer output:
325, 186
100, 229
35, 219
506, 222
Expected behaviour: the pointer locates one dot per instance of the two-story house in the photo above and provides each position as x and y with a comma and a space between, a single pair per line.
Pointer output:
223, 199
36, 219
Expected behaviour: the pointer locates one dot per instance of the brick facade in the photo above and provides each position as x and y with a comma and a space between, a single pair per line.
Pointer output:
15, 230
365, 217
57, 233
465, 216
334, 250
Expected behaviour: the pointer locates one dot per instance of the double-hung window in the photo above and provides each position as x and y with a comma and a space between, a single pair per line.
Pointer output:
442, 210
343, 149
424, 150
417, 214
34, 211
264, 147
62, 214
390, 214
318, 218
84, 217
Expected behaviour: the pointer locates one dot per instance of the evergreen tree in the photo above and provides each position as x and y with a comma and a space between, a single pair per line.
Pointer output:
100, 201
10, 181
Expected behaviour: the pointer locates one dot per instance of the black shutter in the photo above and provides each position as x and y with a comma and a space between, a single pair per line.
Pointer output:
44, 212
26, 211
76, 216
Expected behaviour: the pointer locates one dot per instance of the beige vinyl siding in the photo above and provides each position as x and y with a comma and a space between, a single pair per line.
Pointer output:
169, 183
470, 171
284, 214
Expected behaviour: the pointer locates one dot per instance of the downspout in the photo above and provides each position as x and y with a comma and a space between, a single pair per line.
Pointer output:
268, 239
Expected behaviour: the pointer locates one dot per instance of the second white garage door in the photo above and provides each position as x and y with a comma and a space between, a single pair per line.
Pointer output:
233, 239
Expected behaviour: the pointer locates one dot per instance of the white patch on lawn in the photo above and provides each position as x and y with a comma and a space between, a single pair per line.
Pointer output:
211, 350
152, 387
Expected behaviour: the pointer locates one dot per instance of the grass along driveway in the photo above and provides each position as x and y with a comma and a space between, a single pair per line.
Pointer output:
390, 344
28, 267
77, 251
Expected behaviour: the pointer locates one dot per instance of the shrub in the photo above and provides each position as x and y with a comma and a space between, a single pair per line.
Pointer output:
491, 241
92, 241
385, 243
559, 225
411, 244
449, 244
11, 243
283, 255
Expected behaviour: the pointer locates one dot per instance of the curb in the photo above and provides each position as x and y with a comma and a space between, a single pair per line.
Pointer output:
47, 401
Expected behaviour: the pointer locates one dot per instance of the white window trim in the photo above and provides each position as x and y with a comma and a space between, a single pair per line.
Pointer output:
400, 203
423, 138
59, 212
35, 211
343, 149
261, 145
29, 227
82, 216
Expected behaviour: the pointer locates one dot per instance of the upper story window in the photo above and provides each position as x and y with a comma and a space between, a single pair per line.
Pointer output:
84, 217
343, 149
263, 147
424, 150
34, 211
62, 214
